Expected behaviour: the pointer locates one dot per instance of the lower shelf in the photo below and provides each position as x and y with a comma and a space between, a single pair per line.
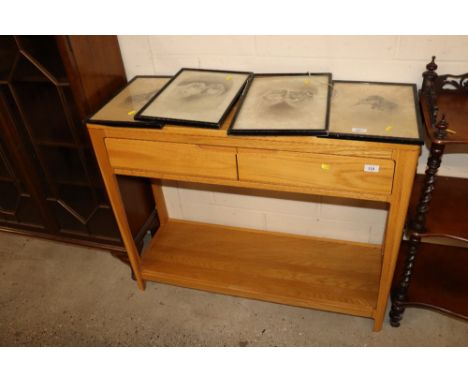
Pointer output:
324, 274
448, 208
439, 280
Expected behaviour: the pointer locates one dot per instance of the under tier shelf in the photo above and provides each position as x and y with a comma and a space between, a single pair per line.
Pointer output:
439, 279
448, 209
289, 269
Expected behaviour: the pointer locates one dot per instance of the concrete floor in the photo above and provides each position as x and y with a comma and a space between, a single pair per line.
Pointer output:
53, 294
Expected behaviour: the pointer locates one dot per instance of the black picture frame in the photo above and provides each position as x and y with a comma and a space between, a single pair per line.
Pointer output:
381, 138
134, 123
193, 123
280, 132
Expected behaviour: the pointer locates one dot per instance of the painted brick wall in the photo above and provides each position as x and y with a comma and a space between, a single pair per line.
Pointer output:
366, 58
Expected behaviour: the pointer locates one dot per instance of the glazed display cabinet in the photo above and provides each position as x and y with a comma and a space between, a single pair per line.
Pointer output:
50, 185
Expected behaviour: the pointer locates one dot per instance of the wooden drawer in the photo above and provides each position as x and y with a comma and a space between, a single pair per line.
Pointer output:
318, 171
173, 160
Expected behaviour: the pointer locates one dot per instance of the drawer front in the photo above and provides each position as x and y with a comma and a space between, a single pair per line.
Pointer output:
333, 172
173, 160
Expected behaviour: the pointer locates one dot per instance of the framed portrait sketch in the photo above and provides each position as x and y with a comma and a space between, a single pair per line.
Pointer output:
121, 110
375, 111
195, 97
284, 104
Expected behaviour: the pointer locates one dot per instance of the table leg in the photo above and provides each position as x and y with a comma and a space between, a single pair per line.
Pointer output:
161, 208
115, 198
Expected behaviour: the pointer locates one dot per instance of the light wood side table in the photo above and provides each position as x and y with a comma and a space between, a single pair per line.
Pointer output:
333, 275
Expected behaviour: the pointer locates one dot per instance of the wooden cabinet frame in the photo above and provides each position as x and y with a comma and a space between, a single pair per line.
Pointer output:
50, 185
340, 276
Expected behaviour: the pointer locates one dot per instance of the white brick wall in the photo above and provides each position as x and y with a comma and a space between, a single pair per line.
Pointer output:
366, 58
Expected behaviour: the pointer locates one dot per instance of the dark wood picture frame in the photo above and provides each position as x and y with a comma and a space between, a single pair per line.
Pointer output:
285, 132
193, 123
381, 138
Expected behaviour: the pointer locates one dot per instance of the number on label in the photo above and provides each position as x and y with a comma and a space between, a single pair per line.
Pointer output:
371, 168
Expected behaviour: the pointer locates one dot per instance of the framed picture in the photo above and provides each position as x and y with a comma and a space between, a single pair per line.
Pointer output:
284, 104
195, 97
121, 109
375, 111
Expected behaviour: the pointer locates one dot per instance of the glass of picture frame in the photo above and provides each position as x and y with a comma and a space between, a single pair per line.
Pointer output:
121, 109
375, 111
195, 97
283, 104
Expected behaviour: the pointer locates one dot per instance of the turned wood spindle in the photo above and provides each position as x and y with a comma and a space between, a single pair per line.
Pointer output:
441, 127
418, 225
429, 76
428, 85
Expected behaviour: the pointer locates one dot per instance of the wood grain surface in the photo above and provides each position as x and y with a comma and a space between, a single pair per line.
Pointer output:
325, 274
